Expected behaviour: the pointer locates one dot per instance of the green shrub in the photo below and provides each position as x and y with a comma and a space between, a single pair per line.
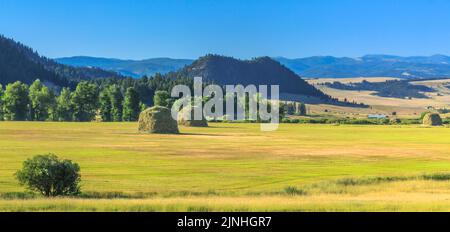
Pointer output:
409, 121
361, 121
295, 120
50, 176
314, 120
291, 190
446, 121
336, 120
371, 180
384, 121
437, 176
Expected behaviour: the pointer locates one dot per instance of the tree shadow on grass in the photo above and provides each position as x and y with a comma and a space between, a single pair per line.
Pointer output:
181, 133
199, 134
223, 127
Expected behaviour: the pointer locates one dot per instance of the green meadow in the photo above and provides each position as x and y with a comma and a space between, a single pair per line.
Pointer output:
235, 167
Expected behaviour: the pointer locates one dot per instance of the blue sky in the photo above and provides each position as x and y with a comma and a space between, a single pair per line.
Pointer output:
136, 29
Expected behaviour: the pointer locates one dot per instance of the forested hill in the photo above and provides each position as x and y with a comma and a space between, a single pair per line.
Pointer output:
21, 63
259, 71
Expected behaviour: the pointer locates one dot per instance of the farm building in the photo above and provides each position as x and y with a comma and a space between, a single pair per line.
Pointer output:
377, 116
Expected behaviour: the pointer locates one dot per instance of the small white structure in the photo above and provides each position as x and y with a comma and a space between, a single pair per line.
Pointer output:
377, 116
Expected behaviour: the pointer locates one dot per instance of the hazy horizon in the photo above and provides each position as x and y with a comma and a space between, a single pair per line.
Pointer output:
194, 58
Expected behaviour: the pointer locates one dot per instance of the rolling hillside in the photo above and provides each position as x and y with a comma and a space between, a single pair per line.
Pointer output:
21, 63
260, 71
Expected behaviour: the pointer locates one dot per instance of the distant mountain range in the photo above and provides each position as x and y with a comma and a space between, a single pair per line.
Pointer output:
133, 68
21, 63
436, 66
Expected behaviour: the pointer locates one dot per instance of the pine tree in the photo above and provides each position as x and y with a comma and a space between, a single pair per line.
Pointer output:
161, 98
302, 109
131, 105
116, 103
105, 105
1, 102
84, 101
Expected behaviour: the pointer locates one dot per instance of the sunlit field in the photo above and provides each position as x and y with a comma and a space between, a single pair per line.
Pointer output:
406, 108
235, 167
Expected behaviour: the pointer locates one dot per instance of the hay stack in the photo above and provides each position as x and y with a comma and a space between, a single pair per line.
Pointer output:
432, 119
157, 119
183, 115
395, 121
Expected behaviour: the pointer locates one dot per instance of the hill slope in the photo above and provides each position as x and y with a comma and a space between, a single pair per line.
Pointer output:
133, 68
437, 66
260, 71
21, 63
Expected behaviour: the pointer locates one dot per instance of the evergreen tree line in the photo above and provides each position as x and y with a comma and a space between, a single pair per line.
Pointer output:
145, 86
108, 100
88, 102
294, 108
105, 99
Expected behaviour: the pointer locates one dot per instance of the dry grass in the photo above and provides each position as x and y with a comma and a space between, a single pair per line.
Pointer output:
228, 163
404, 196
351, 80
382, 105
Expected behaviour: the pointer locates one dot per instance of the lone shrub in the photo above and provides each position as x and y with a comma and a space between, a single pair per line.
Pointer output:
437, 176
157, 119
432, 119
293, 191
50, 176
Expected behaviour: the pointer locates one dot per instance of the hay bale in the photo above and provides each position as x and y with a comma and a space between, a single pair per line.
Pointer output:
186, 120
395, 121
157, 119
432, 119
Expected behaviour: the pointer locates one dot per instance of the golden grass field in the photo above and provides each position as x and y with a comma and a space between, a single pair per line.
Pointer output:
235, 167
406, 108
350, 79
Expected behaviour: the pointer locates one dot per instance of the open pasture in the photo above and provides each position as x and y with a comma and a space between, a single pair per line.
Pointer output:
234, 166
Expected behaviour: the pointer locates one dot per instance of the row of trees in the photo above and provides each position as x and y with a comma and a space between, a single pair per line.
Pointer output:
37, 102
109, 101
294, 108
